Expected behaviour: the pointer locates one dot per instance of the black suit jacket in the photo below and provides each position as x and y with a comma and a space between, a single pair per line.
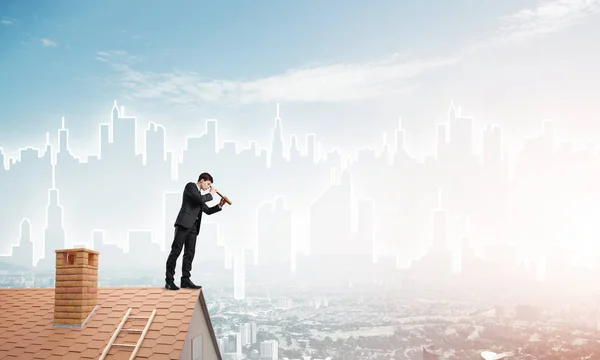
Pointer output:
192, 206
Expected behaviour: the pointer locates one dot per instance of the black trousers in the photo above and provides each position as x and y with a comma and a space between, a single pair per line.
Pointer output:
183, 238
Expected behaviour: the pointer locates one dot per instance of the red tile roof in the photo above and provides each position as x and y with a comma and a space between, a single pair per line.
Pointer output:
27, 331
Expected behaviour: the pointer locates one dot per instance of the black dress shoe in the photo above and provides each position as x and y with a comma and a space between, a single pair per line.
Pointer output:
171, 286
188, 284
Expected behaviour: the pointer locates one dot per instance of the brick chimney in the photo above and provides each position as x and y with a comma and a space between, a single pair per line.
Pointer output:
76, 288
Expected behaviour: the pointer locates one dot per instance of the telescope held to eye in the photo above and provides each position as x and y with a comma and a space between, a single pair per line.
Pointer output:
224, 198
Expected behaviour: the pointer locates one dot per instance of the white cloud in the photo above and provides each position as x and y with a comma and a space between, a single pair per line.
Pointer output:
341, 82
338, 82
547, 17
5, 21
48, 42
117, 56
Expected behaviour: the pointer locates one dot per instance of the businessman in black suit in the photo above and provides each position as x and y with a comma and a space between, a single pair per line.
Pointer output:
187, 227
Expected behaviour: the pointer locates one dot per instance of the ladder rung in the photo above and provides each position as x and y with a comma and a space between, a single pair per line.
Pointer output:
132, 330
136, 346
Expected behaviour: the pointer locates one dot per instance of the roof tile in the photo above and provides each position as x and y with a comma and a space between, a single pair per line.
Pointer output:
172, 323
166, 340
90, 354
42, 354
179, 308
144, 353
32, 349
149, 343
97, 344
77, 348
152, 334
17, 351
71, 356
162, 349
62, 351
169, 331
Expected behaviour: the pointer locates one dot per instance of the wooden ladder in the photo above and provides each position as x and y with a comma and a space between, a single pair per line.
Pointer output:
136, 346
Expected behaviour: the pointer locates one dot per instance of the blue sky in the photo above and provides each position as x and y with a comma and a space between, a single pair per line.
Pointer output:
330, 64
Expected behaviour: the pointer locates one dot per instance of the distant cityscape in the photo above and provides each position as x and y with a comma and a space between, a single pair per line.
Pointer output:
456, 214
384, 322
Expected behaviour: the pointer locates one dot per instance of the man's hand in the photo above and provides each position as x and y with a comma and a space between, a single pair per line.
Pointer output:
222, 202
213, 190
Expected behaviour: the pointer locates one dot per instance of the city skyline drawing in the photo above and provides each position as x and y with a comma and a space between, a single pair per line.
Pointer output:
156, 159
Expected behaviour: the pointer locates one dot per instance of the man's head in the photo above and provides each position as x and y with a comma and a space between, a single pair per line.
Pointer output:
205, 180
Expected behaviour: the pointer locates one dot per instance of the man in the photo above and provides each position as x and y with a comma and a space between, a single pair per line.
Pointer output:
187, 227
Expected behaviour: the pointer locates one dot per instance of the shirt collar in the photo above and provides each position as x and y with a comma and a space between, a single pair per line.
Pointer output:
202, 192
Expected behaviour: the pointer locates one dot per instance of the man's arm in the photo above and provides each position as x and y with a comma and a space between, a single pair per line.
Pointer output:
191, 191
211, 210
214, 209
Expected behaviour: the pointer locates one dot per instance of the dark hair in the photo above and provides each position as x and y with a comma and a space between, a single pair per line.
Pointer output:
206, 177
